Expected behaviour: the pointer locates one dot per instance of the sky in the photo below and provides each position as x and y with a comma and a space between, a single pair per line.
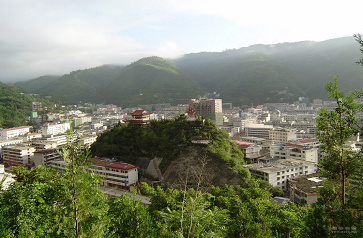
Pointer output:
55, 37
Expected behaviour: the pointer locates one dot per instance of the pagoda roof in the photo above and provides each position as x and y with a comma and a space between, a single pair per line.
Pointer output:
139, 113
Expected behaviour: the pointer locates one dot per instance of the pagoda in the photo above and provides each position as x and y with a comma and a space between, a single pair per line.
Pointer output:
139, 117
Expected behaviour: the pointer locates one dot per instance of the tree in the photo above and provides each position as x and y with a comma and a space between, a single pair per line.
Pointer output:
45, 203
359, 39
340, 163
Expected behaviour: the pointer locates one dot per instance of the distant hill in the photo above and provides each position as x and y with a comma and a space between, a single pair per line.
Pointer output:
150, 80
276, 73
79, 85
256, 74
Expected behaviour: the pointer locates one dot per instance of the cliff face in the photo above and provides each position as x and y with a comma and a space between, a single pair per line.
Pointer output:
192, 169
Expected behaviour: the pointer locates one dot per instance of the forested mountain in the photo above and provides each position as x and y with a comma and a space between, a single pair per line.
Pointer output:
276, 73
256, 74
14, 104
150, 80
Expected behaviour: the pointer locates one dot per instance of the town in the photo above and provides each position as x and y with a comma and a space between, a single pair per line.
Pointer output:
277, 140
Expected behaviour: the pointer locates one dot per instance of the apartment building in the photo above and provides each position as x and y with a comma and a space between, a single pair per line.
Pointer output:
55, 129
18, 155
6, 134
282, 135
295, 151
278, 171
208, 108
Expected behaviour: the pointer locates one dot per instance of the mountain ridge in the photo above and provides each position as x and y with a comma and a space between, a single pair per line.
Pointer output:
255, 74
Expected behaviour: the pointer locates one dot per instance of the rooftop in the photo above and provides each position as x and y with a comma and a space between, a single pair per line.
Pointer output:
307, 184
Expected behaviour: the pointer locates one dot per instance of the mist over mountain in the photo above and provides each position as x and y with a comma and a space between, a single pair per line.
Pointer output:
256, 74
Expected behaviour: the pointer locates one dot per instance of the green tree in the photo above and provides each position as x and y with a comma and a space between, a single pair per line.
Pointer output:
130, 218
340, 163
45, 203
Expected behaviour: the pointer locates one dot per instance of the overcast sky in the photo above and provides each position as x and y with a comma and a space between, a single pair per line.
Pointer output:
40, 37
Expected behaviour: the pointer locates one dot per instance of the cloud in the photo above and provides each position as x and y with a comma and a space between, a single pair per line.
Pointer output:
54, 37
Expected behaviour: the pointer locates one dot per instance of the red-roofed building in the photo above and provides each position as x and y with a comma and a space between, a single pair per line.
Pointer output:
114, 174
250, 150
139, 117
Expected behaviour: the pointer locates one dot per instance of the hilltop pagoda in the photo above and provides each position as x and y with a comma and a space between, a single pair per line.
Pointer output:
139, 117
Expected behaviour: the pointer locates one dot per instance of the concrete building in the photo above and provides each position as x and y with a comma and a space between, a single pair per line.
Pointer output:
303, 190
55, 129
45, 156
282, 135
278, 171
208, 108
17, 155
295, 151
6, 134
257, 130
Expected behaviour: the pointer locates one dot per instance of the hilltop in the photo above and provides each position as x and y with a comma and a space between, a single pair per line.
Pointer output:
172, 140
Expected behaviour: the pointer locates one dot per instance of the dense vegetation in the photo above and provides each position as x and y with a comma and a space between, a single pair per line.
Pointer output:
14, 104
166, 139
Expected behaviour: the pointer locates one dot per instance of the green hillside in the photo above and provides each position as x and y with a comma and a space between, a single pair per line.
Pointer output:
150, 80
36, 85
14, 104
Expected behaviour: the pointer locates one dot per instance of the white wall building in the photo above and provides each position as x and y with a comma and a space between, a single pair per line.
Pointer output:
295, 151
277, 172
6, 134
55, 129
257, 130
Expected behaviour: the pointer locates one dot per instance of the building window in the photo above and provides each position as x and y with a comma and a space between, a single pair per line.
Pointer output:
278, 178
278, 183
283, 177
278, 173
